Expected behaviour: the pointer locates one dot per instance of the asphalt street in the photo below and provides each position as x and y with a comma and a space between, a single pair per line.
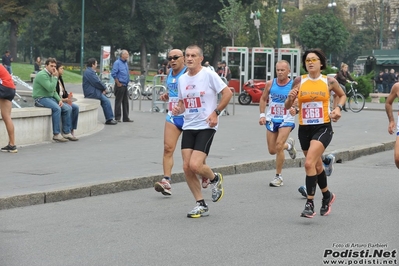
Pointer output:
253, 224
129, 155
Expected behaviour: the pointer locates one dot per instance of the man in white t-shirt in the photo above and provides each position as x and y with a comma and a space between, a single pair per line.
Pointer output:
198, 91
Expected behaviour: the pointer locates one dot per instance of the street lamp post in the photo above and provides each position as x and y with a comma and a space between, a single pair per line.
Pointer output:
82, 43
396, 32
381, 21
280, 12
256, 15
332, 5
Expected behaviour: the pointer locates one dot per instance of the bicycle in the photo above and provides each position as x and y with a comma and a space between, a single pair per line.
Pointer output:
134, 90
108, 85
356, 100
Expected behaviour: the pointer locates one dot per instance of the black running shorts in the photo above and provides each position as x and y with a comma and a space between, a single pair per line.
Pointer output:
199, 140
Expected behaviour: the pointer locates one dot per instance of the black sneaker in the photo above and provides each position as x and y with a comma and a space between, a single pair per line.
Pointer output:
10, 148
326, 205
308, 212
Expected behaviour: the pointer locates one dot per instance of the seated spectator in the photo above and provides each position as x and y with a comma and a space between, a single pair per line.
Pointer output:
38, 65
95, 89
7, 93
45, 95
66, 98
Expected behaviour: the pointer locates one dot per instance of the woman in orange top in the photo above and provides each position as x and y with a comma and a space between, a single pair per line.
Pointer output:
7, 93
315, 130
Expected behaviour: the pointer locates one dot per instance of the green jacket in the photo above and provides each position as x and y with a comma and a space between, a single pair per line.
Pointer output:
44, 85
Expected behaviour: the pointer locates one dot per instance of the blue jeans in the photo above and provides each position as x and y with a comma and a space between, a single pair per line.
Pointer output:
57, 112
8, 69
107, 108
380, 87
74, 116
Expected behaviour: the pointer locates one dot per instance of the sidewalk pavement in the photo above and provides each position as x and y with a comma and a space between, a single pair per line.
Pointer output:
128, 156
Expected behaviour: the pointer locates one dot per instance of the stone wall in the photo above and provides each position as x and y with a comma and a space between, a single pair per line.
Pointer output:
33, 124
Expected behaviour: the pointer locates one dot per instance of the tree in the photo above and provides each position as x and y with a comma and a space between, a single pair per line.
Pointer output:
324, 32
371, 16
14, 11
232, 20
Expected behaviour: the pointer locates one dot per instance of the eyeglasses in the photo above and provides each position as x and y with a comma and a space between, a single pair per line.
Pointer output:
312, 60
174, 57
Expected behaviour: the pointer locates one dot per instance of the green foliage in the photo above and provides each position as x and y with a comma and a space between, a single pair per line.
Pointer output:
232, 21
364, 84
324, 32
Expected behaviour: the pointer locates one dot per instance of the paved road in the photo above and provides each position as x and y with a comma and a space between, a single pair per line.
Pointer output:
253, 224
129, 155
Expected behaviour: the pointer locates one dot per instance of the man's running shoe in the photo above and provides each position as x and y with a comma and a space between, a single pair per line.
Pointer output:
198, 211
328, 167
163, 187
326, 205
205, 182
292, 151
217, 189
302, 190
277, 181
9, 148
308, 212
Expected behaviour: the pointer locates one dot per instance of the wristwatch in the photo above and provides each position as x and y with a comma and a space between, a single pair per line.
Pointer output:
217, 111
340, 107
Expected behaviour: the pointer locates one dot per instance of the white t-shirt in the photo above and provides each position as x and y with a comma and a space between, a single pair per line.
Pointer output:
199, 94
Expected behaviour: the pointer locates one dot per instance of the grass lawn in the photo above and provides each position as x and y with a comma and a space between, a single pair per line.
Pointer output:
23, 70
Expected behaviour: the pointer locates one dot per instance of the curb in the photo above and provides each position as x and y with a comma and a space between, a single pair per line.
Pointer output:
341, 155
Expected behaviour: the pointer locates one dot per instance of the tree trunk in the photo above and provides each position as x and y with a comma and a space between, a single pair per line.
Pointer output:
154, 61
13, 39
143, 58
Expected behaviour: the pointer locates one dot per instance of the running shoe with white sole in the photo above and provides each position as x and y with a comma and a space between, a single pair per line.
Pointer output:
277, 181
217, 189
328, 167
302, 190
292, 151
163, 187
198, 211
326, 205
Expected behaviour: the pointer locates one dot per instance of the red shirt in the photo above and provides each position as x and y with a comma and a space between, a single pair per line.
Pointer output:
6, 79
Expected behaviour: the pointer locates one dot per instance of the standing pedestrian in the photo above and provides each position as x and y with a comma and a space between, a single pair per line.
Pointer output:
173, 123
391, 79
278, 120
385, 81
391, 126
378, 82
6, 60
198, 90
226, 73
315, 131
206, 64
7, 93
120, 73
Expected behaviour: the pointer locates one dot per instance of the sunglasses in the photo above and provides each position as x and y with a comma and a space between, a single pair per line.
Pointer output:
174, 57
311, 60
